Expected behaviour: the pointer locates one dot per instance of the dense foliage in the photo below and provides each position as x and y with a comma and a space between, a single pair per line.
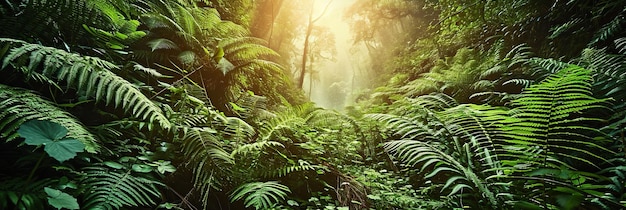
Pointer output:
191, 104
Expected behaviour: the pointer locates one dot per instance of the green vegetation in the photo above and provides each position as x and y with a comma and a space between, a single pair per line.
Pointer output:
194, 104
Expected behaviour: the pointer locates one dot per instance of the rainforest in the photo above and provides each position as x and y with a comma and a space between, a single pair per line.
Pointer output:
312, 104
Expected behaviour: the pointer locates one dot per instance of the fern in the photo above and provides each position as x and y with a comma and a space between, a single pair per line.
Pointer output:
565, 27
255, 147
282, 171
608, 30
456, 141
251, 105
18, 106
284, 122
261, 195
544, 143
52, 21
609, 72
107, 188
90, 76
207, 159
429, 154
543, 118
246, 49
31, 192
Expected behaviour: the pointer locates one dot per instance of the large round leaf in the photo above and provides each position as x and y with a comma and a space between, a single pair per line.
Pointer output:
64, 149
37, 132
60, 200
50, 134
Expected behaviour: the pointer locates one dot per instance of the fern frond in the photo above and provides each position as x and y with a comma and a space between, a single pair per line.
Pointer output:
609, 74
206, 158
519, 82
620, 44
327, 118
261, 195
288, 169
238, 128
284, 122
54, 20
89, 75
240, 50
480, 127
543, 68
609, 29
429, 154
251, 106
162, 44
544, 120
407, 128
435, 101
563, 28
106, 188
18, 106
31, 192
255, 147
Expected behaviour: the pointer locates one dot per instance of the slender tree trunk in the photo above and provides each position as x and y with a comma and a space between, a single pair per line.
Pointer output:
305, 51
275, 10
263, 22
309, 29
311, 75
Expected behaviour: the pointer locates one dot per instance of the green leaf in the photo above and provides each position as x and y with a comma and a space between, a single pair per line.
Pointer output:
113, 165
61, 200
37, 132
142, 168
458, 187
163, 166
261, 195
159, 44
236, 107
292, 203
219, 54
187, 57
374, 197
64, 149
225, 66
569, 201
166, 168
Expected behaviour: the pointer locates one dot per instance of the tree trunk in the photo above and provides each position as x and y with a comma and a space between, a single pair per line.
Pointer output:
263, 22
309, 29
311, 76
305, 52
